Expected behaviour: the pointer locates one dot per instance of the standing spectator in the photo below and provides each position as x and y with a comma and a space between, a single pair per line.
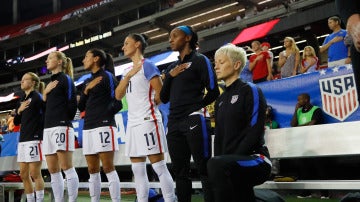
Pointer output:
4, 126
99, 142
188, 131
260, 64
265, 46
246, 74
30, 114
145, 136
307, 114
10, 122
350, 13
338, 53
309, 62
289, 59
59, 137
241, 158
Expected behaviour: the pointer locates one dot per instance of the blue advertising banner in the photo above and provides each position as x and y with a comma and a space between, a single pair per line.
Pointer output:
332, 89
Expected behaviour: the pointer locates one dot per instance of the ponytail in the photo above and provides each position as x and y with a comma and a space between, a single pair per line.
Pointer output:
109, 64
68, 68
41, 87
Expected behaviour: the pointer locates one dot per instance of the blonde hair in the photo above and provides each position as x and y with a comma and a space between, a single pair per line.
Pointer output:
39, 86
294, 47
234, 53
312, 51
67, 65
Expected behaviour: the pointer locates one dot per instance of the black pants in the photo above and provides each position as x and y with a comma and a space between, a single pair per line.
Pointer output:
233, 177
189, 137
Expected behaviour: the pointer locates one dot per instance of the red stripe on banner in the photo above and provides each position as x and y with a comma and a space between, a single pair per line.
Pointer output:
325, 103
155, 120
345, 104
67, 139
40, 152
340, 108
330, 105
354, 96
350, 101
335, 107
112, 138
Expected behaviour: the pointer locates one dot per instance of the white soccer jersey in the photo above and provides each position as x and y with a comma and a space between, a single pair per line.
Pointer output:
140, 95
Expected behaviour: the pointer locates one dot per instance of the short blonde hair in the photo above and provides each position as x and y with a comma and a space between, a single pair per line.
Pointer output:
234, 53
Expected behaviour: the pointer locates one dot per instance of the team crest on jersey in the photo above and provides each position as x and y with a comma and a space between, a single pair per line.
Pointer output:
234, 98
339, 96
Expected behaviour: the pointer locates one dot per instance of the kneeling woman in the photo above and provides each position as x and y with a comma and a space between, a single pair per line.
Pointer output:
241, 158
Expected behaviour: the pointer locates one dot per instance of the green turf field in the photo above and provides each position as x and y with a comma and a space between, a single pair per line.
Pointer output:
83, 197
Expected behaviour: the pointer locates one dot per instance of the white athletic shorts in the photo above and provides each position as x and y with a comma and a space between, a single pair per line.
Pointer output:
30, 151
98, 140
60, 138
145, 139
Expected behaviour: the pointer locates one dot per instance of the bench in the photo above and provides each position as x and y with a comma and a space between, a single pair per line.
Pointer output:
337, 139
327, 140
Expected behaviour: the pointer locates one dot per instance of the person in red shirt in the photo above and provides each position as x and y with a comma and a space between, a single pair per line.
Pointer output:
260, 64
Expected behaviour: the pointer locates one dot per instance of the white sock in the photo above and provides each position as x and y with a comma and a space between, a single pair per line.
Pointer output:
39, 195
166, 181
114, 186
30, 197
141, 181
95, 187
57, 185
72, 181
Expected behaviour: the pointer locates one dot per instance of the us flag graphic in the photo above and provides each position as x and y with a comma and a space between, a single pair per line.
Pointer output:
339, 96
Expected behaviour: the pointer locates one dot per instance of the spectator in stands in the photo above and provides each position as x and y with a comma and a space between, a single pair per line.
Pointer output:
143, 98
289, 59
350, 13
59, 138
338, 53
269, 121
246, 74
241, 158
307, 114
188, 130
265, 46
99, 141
10, 122
30, 114
4, 126
260, 64
309, 62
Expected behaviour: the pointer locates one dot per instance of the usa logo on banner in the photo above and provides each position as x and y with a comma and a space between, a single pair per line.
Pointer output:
339, 96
